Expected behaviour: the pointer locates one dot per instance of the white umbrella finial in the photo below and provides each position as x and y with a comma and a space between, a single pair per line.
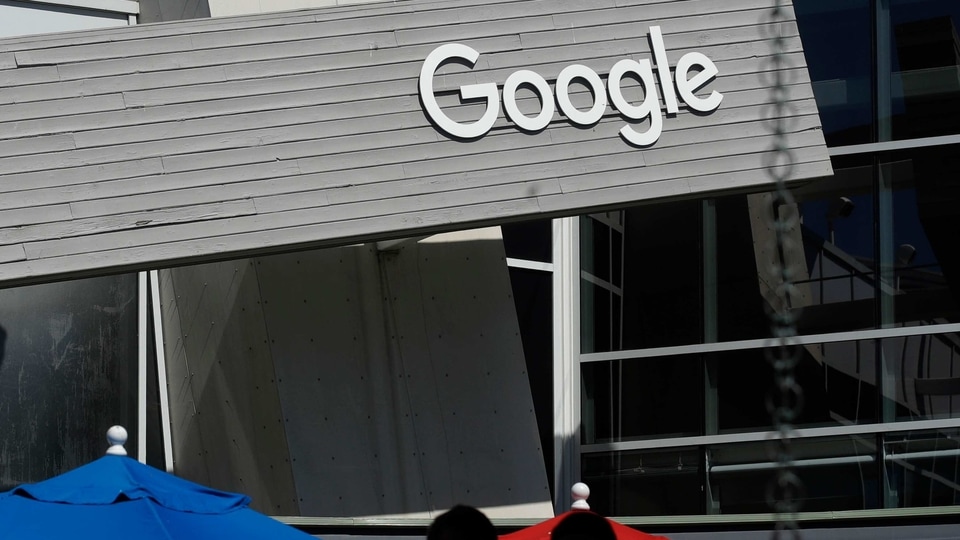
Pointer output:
580, 492
116, 436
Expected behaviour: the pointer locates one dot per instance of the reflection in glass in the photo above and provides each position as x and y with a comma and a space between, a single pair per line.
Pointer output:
923, 273
601, 254
923, 468
662, 303
838, 382
924, 72
923, 376
837, 45
645, 483
742, 258
837, 473
68, 373
837, 218
643, 398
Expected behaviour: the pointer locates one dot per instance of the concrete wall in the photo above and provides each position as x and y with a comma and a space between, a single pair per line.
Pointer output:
225, 416
384, 383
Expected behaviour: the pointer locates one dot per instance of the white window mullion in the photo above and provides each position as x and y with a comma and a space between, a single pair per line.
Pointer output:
161, 372
142, 303
566, 370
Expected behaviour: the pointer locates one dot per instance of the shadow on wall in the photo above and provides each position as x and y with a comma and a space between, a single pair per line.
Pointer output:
3, 344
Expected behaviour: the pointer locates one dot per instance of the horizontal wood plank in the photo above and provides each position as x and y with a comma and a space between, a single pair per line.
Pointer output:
135, 147
62, 107
28, 216
9, 254
25, 76
97, 228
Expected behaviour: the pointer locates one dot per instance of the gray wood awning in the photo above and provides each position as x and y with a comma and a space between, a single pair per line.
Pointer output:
178, 142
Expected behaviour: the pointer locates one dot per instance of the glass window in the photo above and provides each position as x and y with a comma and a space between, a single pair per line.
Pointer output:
529, 240
923, 377
923, 468
645, 483
838, 473
656, 302
924, 70
601, 292
922, 263
642, 398
838, 382
833, 254
739, 296
837, 223
68, 371
837, 43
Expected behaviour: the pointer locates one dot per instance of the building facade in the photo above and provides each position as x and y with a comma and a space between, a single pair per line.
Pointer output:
297, 255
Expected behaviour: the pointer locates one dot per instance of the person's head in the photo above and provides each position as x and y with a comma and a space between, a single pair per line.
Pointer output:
583, 526
462, 523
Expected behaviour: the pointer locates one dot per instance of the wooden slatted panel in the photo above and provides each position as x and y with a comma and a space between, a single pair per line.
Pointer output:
163, 144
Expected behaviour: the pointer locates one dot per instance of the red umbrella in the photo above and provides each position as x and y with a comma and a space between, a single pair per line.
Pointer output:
542, 530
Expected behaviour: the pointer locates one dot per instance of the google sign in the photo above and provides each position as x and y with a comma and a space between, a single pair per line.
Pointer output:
693, 71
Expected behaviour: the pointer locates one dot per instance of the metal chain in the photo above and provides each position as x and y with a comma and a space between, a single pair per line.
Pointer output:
785, 400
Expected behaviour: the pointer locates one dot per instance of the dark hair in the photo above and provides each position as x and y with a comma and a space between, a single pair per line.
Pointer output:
462, 523
583, 526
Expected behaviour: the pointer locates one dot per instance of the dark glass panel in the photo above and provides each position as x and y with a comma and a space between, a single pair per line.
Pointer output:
837, 43
642, 398
616, 323
645, 483
68, 372
923, 468
923, 277
833, 253
837, 474
741, 230
923, 376
838, 381
838, 285
529, 240
616, 253
155, 456
595, 319
595, 248
925, 67
662, 303
587, 249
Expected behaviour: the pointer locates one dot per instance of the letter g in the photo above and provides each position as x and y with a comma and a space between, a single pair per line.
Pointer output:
473, 91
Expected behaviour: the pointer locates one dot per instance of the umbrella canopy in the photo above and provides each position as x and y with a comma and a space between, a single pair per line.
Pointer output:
580, 492
116, 496
542, 530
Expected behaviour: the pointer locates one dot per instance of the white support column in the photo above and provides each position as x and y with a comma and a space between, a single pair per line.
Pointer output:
142, 367
566, 369
161, 372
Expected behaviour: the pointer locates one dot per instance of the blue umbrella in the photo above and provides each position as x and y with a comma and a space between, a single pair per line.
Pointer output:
116, 496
